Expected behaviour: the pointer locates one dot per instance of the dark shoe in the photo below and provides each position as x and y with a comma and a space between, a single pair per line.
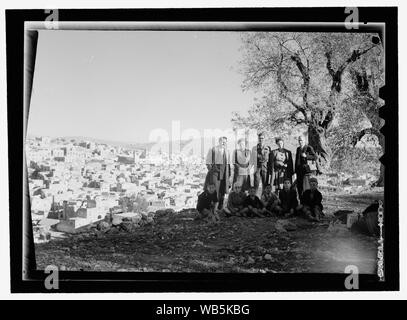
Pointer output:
226, 212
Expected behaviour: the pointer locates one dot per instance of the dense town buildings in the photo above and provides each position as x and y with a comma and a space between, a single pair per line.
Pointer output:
75, 183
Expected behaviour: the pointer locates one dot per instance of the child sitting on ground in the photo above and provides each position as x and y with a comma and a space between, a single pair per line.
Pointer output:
207, 203
270, 200
235, 205
255, 207
288, 199
311, 201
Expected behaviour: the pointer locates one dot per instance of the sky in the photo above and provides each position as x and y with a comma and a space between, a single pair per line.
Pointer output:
121, 85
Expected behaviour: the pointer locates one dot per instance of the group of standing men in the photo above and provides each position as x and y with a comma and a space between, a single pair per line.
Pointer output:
261, 165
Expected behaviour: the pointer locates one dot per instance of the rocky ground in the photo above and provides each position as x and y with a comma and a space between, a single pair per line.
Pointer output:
175, 242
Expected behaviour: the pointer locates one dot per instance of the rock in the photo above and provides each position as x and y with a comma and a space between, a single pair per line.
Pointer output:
127, 226
103, 226
250, 260
354, 182
358, 182
116, 220
285, 225
260, 249
338, 229
280, 228
290, 227
98, 234
89, 227
332, 182
134, 217
43, 236
342, 215
268, 257
351, 219
113, 230
368, 223
197, 243
332, 175
346, 182
161, 212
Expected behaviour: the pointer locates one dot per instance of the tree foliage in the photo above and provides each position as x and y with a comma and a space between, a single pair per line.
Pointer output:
306, 79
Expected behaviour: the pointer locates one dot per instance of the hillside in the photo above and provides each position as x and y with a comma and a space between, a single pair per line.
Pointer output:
175, 242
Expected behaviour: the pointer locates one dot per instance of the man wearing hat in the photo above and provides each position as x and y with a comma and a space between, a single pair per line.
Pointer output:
311, 201
260, 159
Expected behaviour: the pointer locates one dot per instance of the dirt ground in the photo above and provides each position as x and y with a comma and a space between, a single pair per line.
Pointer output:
178, 243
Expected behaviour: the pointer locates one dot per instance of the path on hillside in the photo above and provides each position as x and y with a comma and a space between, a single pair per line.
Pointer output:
177, 243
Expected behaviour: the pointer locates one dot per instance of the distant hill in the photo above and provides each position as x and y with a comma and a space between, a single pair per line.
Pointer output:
122, 144
198, 145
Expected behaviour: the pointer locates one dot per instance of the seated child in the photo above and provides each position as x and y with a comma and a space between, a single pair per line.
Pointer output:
207, 203
235, 205
270, 200
288, 198
311, 201
253, 204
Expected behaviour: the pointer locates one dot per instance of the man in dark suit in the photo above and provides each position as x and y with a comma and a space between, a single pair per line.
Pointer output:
304, 154
288, 198
311, 201
260, 158
218, 164
280, 165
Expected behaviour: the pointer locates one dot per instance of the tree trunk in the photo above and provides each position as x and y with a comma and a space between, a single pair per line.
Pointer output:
317, 140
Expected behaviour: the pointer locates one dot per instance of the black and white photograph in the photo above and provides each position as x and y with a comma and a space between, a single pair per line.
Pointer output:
195, 151
204, 148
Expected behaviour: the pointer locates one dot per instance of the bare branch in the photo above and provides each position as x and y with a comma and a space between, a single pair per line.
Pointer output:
306, 78
337, 75
328, 55
364, 132
284, 90
293, 118
356, 54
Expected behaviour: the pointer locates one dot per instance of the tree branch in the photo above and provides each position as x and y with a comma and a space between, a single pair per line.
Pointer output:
327, 121
305, 76
284, 90
328, 56
356, 54
293, 118
337, 75
364, 132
